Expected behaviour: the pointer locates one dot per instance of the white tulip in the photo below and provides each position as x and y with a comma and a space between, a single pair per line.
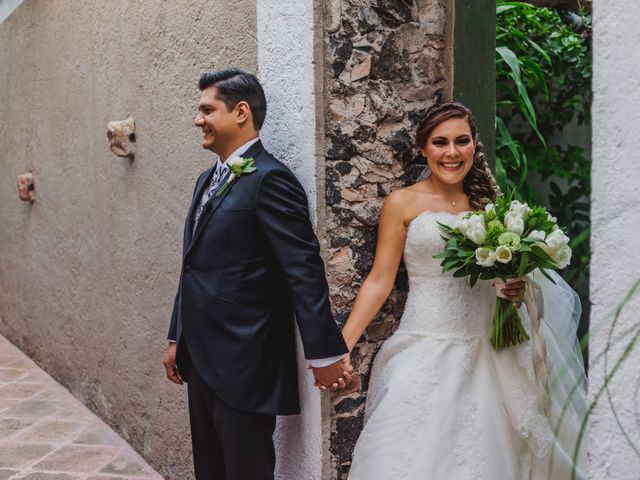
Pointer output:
536, 235
473, 228
503, 254
562, 256
485, 257
514, 223
520, 209
556, 240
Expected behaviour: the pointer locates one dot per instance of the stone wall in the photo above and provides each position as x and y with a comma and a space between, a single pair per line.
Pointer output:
386, 62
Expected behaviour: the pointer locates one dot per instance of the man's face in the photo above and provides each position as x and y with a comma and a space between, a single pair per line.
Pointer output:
219, 125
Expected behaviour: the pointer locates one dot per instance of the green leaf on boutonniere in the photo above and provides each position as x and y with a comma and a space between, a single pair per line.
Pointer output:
238, 167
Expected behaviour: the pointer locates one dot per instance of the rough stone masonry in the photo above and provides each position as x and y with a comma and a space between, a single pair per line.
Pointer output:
385, 64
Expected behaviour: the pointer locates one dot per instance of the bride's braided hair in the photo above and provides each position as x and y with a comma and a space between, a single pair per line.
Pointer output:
479, 183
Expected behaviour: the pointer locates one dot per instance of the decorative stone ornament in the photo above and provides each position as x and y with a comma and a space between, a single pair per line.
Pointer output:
26, 190
122, 137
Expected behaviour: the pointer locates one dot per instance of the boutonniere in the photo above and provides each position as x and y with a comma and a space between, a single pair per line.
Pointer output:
238, 166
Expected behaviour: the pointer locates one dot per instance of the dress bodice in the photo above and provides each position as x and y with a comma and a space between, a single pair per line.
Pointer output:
440, 304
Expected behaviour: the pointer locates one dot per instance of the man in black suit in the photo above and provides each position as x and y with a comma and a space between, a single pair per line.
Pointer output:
251, 265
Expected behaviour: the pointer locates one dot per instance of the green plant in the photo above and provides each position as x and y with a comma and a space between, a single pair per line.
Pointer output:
543, 84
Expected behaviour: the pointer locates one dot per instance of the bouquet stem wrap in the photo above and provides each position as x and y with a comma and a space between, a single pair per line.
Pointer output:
507, 328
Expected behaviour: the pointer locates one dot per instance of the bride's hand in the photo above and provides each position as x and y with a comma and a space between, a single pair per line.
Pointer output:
512, 290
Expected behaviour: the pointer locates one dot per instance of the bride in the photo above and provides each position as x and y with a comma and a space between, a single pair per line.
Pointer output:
442, 403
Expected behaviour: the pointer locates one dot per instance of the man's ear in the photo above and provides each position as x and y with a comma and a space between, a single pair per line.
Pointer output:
243, 112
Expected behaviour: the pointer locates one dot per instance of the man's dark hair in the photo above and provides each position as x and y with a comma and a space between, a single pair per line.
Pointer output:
234, 86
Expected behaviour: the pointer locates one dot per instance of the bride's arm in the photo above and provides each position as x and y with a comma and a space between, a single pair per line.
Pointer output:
377, 286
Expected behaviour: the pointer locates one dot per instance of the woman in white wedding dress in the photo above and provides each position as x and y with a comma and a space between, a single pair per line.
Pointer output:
442, 403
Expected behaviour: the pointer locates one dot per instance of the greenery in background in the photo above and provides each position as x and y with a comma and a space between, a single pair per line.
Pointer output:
543, 82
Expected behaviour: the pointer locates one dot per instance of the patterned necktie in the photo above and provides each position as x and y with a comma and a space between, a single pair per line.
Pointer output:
208, 193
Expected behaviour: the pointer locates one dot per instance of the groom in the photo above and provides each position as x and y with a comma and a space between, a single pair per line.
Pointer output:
251, 265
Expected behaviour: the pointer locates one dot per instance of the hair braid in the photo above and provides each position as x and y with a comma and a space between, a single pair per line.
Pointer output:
479, 184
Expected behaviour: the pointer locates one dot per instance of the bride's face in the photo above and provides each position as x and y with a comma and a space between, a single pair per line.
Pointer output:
449, 151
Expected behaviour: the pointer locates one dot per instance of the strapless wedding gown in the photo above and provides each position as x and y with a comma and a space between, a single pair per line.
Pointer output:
442, 403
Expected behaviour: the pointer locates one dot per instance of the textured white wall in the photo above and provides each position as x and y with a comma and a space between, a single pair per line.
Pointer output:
7, 7
615, 237
286, 70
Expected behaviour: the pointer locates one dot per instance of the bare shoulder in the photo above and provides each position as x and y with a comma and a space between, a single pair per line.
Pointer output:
398, 205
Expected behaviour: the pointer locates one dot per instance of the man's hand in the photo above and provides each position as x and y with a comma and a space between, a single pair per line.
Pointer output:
512, 290
335, 376
169, 361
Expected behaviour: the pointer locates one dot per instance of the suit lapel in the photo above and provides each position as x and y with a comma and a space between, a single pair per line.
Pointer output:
215, 201
205, 179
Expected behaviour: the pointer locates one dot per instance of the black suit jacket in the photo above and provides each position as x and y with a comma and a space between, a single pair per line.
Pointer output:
252, 266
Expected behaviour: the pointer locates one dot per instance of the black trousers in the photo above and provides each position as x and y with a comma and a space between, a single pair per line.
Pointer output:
228, 444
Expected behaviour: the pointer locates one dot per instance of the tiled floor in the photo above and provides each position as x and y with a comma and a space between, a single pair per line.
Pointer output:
47, 434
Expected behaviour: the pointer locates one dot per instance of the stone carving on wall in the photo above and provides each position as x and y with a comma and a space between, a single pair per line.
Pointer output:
26, 190
122, 137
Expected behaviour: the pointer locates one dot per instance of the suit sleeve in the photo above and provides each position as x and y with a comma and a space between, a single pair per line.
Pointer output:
283, 213
173, 326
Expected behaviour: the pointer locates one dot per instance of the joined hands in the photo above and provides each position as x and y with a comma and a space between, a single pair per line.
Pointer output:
335, 376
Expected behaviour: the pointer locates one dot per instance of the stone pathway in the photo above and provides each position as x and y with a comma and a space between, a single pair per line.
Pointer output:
47, 434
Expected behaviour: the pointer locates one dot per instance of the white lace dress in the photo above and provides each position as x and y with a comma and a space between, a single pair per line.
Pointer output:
442, 403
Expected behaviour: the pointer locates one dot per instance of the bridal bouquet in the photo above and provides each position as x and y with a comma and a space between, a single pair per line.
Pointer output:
507, 240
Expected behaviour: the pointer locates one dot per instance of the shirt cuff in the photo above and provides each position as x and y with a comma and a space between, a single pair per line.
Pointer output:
324, 362
170, 341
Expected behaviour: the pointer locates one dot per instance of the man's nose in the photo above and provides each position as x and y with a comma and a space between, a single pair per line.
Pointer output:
198, 121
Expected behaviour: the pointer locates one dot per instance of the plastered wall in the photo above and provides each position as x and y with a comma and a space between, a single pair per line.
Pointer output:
615, 241
89, 271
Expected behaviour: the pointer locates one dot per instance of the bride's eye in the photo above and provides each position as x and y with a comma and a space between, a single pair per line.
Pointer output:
463, 141
439, 143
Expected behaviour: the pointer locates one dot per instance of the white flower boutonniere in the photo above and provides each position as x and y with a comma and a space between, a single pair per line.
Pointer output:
238, 166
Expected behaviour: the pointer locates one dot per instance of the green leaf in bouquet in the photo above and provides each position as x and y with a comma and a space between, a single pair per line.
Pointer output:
446, 227
524, 247
471, 260
464, 253
473, 279
444, 254
487, 275
449, 264
540, 253
463, 272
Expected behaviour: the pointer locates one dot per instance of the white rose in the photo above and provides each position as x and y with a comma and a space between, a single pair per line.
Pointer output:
536, 235
485, 257
236, 162
503, 254
556, 240
473, 228
514, 223
562, 256
519, 209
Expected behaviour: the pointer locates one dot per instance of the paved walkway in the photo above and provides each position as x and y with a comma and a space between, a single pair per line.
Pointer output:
47, 434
